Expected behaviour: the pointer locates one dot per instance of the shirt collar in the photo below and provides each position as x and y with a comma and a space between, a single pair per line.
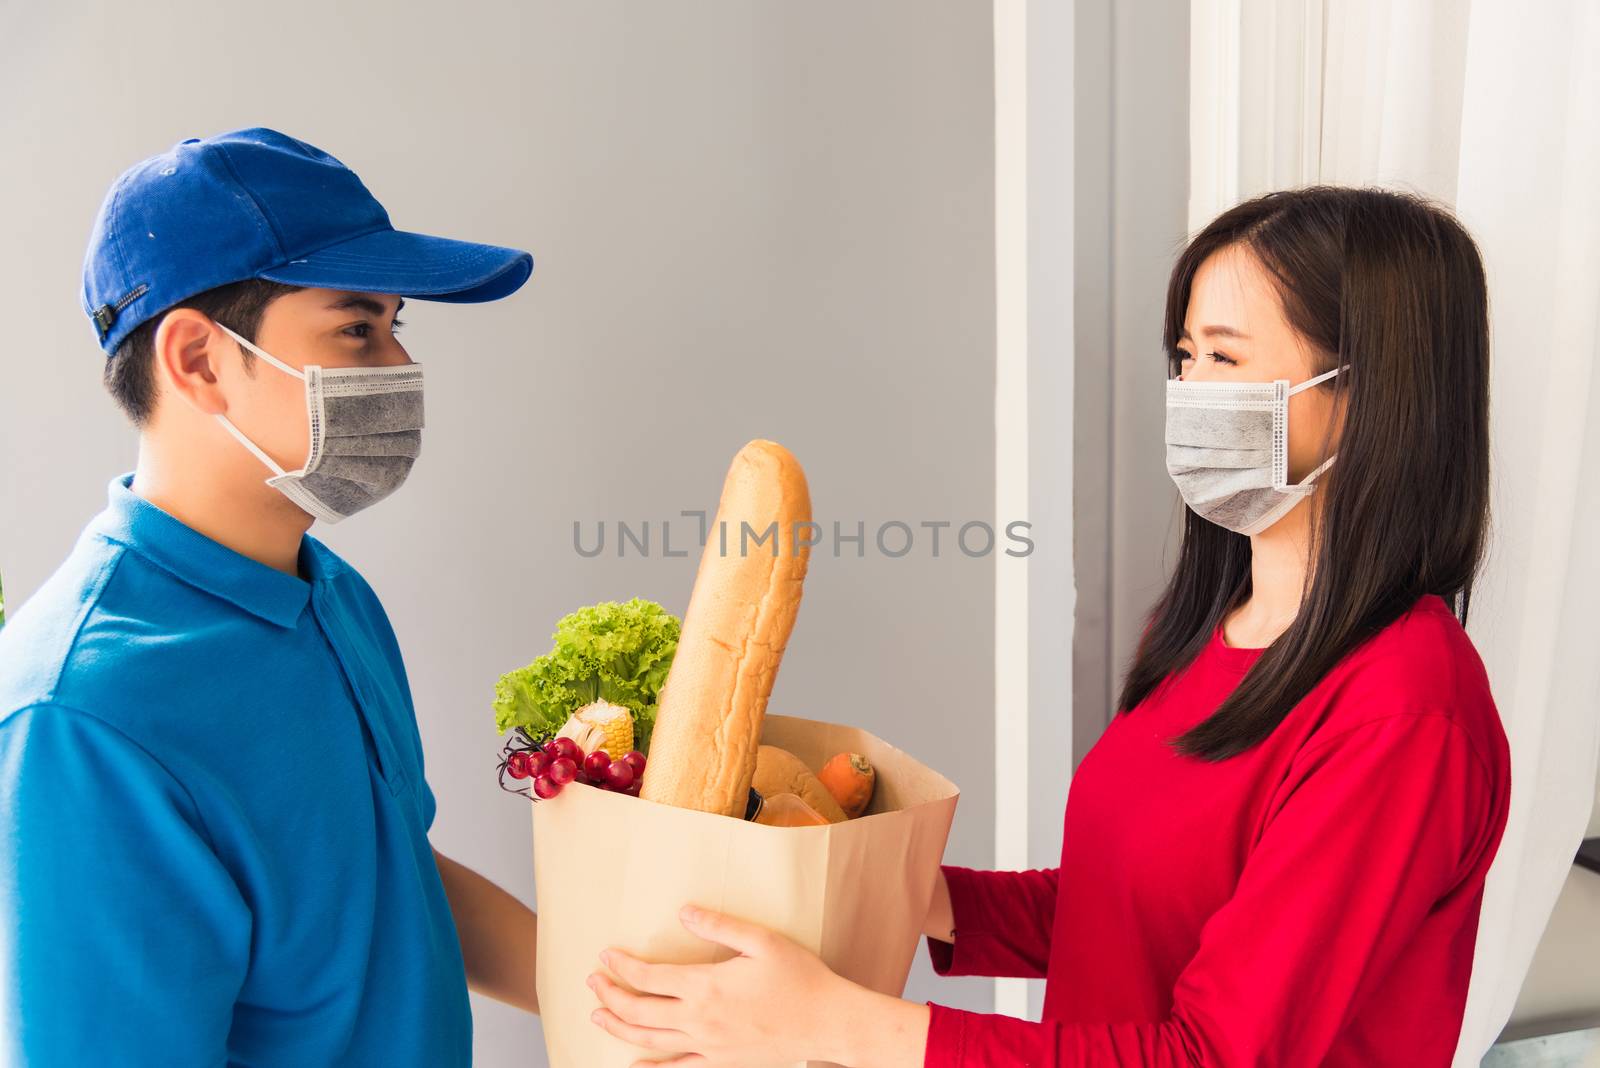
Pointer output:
209, 565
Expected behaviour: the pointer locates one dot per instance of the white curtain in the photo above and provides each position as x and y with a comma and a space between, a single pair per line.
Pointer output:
1493, 107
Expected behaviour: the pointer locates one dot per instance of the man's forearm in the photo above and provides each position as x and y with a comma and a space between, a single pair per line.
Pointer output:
498, 933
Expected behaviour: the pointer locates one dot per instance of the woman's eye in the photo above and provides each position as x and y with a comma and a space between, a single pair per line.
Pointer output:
1220, 358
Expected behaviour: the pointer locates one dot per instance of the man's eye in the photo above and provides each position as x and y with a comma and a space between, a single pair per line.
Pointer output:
367, 327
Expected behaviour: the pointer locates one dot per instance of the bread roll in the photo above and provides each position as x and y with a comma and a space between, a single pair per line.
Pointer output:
779, 771
742, 608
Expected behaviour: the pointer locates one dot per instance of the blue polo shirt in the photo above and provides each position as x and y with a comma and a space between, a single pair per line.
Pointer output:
213, 816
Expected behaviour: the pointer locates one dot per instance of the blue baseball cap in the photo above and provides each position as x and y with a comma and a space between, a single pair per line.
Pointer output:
256, 203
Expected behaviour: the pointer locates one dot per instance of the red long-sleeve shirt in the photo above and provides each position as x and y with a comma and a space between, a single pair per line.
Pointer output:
1313, 901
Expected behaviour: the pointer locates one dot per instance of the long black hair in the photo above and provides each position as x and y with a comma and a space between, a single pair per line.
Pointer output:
1392, 285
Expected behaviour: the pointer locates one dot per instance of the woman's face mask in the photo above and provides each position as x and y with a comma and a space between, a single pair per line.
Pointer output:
1228, 450
366, 430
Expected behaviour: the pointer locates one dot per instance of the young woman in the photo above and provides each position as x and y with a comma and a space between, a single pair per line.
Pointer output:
1275, 854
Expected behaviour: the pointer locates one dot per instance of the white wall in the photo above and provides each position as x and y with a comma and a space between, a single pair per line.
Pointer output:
1131, 195
749, 219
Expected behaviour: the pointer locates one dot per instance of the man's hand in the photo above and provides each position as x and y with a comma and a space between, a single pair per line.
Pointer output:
498, 933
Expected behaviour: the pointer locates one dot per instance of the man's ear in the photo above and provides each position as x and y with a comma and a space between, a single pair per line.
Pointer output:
189, 351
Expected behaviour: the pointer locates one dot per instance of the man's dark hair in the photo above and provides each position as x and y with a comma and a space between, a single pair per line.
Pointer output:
130, 374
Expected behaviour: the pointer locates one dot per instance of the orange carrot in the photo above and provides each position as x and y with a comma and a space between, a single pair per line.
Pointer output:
850, 779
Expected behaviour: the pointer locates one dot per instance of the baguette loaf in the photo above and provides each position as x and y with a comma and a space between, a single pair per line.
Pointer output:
741, 611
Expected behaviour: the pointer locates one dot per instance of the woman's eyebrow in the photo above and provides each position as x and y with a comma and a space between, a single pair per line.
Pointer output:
1217, 331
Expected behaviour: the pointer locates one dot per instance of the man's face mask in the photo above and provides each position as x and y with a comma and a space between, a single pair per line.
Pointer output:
366, 430
1228, 450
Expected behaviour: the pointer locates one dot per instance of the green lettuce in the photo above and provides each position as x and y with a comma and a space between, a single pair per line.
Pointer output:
617, 652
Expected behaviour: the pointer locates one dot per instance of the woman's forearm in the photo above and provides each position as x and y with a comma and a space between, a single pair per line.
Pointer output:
873, 1030
941, 917
498, 934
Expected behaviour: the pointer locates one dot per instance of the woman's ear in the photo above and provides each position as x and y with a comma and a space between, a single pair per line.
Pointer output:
1341, 401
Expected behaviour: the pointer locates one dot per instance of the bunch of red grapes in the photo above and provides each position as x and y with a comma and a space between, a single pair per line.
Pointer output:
560, 761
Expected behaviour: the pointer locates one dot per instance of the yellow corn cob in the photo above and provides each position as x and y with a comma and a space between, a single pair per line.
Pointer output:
601, 725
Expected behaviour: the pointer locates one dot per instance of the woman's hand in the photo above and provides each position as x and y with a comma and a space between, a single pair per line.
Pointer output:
775, 1001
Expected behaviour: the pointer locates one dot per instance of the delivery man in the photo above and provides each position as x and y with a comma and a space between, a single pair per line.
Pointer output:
213, 813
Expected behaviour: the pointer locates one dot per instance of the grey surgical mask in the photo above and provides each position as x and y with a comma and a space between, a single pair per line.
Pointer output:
1228, 450
366, 430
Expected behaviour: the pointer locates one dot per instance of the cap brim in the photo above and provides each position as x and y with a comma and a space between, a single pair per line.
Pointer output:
411, 264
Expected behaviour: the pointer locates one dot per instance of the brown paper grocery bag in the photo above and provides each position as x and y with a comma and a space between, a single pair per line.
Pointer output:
612, 870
